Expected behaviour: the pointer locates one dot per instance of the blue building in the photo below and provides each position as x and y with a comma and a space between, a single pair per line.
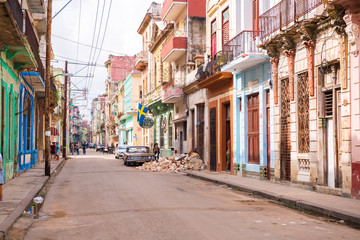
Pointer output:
253, 105
27, 153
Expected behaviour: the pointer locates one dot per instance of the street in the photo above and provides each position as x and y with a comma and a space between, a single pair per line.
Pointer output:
96, 197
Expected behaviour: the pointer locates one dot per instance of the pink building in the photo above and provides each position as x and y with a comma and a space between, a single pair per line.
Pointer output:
120, 66
352, 19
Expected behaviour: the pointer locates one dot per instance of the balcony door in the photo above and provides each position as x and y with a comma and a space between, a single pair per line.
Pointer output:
213, 39
255, 19
225, 26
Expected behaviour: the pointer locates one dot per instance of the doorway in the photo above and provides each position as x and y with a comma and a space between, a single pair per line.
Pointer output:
227, 137
285, 147
253, 129
268, 173
181, 142
212, 139
333, 128
200, 130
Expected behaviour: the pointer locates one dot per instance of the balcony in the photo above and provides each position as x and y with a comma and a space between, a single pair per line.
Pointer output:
171, 9
141, 60
211, 67
172, 94
283, 13
241, 52
174, 48
18, 33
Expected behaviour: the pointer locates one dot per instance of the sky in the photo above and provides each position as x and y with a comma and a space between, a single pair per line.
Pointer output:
121, 38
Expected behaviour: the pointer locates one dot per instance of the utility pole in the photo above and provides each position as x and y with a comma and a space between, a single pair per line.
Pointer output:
65, 110
47, 90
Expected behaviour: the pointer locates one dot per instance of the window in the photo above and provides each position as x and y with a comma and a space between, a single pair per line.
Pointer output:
2, 119
140, 92
213, 39
185, 131
10, 125
155, 74
155, 126
170, 132
225, 26
161, 132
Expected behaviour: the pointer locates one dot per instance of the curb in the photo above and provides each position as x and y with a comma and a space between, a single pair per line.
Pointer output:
288, 201
7, 224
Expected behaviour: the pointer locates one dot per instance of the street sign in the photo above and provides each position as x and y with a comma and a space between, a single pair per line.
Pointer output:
147, 123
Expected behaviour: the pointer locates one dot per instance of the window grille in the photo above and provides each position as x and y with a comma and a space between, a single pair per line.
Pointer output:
303, 113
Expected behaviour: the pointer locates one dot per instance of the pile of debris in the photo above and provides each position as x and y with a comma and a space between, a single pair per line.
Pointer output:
176, 163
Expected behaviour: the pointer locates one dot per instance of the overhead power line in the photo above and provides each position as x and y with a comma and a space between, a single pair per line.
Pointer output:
62, 9
102, 41
87, 45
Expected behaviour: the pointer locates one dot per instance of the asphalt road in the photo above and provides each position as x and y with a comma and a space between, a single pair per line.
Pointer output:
97, 197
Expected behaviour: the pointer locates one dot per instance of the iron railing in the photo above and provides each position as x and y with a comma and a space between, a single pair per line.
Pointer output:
30, 34
17, 13
212, 67
284, 13
243, 43
34, 43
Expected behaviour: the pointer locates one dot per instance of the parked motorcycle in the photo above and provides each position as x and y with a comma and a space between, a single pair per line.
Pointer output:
105, 150
111, 150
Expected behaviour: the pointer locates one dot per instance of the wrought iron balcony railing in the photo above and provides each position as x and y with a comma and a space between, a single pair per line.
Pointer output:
283, 14
17, 12
243, 43
212, 67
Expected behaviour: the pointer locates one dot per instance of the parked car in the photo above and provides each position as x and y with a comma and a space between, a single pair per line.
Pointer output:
92, 145
121, 149
135, 155
99, 148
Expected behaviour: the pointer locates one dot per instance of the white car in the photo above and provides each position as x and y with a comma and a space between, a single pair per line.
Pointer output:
120, 150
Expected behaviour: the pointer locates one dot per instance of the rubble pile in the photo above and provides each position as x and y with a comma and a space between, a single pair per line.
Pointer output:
175, 163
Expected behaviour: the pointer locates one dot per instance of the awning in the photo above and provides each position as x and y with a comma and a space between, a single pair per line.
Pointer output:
125, 129
179, 120
34, 80
54, 131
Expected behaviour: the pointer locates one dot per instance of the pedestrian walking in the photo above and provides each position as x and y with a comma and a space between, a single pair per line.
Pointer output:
228, 156
53, 150
84, 148
57, 155
156, 151
72, 148
1, 177
78, 148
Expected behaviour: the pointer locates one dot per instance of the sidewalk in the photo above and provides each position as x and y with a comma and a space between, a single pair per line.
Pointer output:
327, 205
19, 193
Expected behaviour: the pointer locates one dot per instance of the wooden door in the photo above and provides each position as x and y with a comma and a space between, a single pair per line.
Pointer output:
181, 142
268, 133
192, 130
285, 147
213, 139
225, 26
253, 129
200, 130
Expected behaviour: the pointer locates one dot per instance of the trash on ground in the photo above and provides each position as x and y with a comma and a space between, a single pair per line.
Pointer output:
175, 163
